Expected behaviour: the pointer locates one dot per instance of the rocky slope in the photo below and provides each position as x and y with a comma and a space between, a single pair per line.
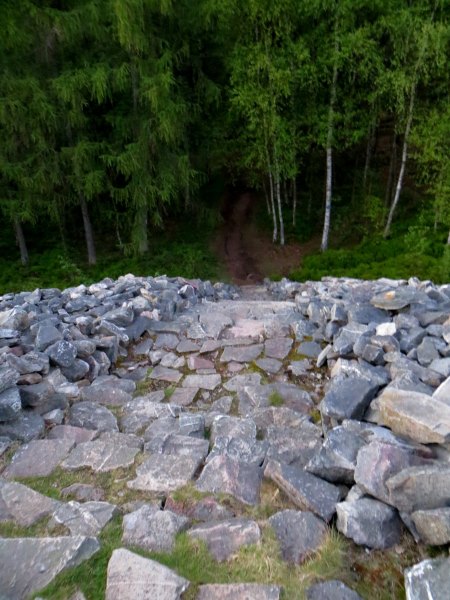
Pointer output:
189, 400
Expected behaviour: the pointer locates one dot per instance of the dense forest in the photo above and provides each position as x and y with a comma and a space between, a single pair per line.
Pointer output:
120, 119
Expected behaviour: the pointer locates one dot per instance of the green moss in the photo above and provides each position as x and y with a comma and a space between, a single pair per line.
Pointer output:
276, 399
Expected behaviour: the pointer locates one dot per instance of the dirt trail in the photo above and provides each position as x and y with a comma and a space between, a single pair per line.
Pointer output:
249, 254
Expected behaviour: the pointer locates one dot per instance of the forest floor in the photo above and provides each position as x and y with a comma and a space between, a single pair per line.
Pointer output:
247, 252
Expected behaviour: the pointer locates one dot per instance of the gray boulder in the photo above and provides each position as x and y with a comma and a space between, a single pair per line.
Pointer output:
152, 529
369, 523
300, 534
428, 580
224, 538
331, 590
348, 398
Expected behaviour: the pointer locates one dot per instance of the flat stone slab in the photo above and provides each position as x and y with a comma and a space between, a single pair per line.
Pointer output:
300, 534
22, 505
69, 432
204, 382
165, 374
232, 427
239, 381
394, 299
87, 519
162, 473
241, 354
38, 458
238, 591
307, 491
132, 577
27, 427
152, 529
433, 526
278, 347
227, 475
224, 538
105, 394
331, 590
369, 523
100, 456
442, 393
415, 415
294, 446
428, 580
269, 365
40, 560
184, 396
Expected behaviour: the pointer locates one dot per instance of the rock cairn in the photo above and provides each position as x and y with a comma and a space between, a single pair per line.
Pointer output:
338, 392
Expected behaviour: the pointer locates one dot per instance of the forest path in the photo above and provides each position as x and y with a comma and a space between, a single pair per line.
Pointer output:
247, 252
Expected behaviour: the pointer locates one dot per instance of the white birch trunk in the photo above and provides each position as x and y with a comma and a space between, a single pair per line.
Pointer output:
272, 201
88, 234
278, 190
448, 239
266, 196
398, 188
329, 178
392, 164
24, 258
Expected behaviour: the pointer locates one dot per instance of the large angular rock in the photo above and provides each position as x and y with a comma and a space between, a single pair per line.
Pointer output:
348, 398
336, 460
417, 416
394, 299
166, 374
428, 580
152, 529
369, 523
239, 381
442, 393
162, 473
378, 461
8, 377
62, 353
28, 426
40, 560
22, 505
39, 458
331, 590
306, 491
10, 404
293, 445
224, 538
226, 475
101, 456
132, 577
299, 533
259, 396
88, 518
417, 488
433, 526
69, 432
278, 347
250, 451
32, 362
92, 416
238, 591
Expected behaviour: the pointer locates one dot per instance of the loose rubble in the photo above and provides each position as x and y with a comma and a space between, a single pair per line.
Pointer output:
336, 393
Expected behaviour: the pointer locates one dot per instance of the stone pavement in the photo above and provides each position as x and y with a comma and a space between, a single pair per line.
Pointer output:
337, 392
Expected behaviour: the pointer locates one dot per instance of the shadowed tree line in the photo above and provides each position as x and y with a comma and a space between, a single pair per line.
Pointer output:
114, 113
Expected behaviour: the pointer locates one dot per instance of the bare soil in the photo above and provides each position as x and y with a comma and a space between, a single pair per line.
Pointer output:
248, 253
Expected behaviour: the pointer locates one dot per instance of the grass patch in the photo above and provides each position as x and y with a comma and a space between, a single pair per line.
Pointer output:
38, 529
112, 483
276, 399
260, 563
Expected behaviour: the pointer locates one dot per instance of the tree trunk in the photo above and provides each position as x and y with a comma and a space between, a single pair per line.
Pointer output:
401, 174
272, 202
141, 230
369, 152
90, 245
266, 196
24, 258
392, 165
278, 189
448, 239
329, 179
294, 200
